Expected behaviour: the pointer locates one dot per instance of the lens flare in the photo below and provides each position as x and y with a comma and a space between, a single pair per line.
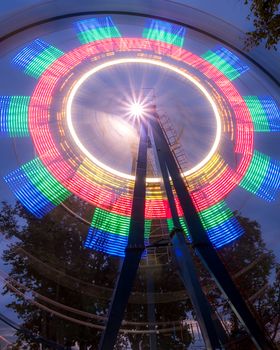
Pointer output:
137, 110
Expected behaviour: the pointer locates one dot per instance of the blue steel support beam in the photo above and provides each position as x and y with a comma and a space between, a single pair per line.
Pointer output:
133, 251
205, 249
185, 263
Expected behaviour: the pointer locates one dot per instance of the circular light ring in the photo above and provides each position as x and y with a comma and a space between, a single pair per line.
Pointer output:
152, 62
108, 175
102, 196
217, 163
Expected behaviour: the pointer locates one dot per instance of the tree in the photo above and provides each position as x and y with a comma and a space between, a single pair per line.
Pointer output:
67, 283
49, 263
252, 265
266, 19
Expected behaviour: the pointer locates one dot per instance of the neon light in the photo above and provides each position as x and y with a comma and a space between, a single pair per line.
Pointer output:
256, 172
37, 57
143, 61
218, 221
225, 233
257, 113
226, 61
231, 59
5, 102
93, 29
221, 64
215, 215
30, 197
263, 177
170, 225
109, 191
14, 115
45, 182
264, 112
213, 192
209, 173
34, 186
99, 187
272, 111
155, 207
106, 242
221, 226
244, 127
28, 53
270, 186
109, 232
116, 224
165, 32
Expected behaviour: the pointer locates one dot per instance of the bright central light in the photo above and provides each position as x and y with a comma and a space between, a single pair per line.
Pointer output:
136, 109
155, 63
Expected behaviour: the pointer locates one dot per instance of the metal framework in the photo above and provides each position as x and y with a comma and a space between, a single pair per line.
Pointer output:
184, 261
134, 250
212, 331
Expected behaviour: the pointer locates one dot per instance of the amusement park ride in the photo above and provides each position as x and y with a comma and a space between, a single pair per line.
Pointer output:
190, 200
212, 331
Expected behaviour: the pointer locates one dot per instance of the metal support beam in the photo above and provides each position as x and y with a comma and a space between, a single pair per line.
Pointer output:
185, 263
134, 248
203, 246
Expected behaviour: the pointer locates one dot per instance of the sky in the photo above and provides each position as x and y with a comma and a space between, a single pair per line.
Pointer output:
231, 11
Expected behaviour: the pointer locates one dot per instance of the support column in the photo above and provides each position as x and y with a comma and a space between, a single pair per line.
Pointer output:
205, 249
184, 260
134, 249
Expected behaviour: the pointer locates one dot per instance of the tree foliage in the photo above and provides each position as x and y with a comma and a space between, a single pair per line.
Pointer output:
265, 15
252, 265
50, 262
51, 274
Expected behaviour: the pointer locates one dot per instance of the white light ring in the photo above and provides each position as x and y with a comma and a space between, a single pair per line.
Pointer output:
156, 63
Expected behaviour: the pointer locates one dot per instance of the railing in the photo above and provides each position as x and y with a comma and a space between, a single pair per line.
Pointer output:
173, 141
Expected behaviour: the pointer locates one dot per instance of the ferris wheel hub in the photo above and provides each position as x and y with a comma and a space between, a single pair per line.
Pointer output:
137, 110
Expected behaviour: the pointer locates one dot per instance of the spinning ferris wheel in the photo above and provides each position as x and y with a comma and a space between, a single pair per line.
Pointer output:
89, 99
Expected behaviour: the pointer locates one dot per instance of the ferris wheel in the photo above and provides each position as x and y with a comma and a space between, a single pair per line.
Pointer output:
79, 120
